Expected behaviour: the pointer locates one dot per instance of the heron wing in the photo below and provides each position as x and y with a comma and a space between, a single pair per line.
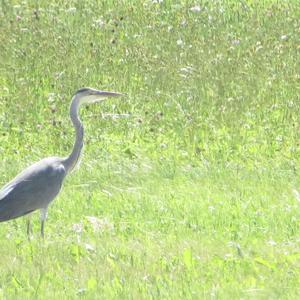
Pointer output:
5, 191
32, 189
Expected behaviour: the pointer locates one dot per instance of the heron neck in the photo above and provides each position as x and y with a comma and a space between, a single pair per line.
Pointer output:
72, 160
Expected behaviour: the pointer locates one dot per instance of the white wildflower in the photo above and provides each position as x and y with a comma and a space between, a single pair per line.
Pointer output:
78, 228
89, 247
272, 243
195, 9
235, 42
71, 10
179, 42
211, 208
100, 22
296, 194
100, 224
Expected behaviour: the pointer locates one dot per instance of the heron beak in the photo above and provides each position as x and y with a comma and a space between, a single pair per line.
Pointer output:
99, 96
104, 94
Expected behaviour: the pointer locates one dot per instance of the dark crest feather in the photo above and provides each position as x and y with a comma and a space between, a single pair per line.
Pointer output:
82, 90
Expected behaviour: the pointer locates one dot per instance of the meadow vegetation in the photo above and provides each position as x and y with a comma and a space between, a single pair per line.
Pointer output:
185, 189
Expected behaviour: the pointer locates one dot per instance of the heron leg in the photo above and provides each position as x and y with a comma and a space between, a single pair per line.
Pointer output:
44, 214
29, 228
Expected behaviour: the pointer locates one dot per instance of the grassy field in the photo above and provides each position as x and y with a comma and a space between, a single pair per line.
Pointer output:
185, 190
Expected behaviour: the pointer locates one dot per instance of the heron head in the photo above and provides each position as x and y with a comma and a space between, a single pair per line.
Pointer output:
90, 95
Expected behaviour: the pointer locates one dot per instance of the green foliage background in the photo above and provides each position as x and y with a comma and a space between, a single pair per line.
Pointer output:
190, 176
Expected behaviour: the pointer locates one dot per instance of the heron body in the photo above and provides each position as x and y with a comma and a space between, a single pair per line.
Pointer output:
42, 180
38, 185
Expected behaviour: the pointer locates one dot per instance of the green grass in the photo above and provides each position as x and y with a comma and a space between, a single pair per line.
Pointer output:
192, 185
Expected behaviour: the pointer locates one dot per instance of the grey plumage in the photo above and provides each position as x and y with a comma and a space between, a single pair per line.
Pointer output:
37, 186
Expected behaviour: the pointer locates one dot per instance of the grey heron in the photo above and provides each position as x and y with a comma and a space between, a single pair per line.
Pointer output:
37, 186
